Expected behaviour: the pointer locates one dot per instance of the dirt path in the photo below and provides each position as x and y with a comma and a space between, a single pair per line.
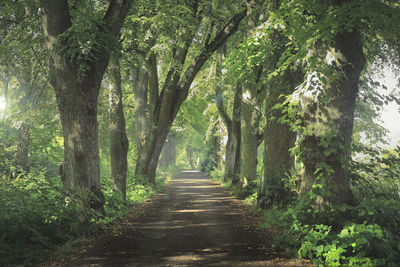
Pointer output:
194, 223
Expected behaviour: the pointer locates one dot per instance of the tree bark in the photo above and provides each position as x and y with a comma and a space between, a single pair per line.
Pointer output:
119, 143
21, 156
173, 93
250, 110
229, 147
251, 117
233, 126
189, 154
236, 134
168, 154
332, 120
77, 93
141, 118
278, 139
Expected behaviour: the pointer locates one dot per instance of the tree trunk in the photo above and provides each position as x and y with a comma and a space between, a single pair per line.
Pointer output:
77, 93
174, 92
141, 118
278, 139
189, 154
81, 169
248, 148
168, 154
250, 110
21, 156
232, 152
236, 134
229, 157
119, 143
332, 120
229, 147
146, 164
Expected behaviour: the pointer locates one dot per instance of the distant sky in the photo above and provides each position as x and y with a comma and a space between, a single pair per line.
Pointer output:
2, 103
391, 112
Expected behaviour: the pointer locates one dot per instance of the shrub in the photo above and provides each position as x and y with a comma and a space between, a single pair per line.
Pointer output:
38, 214
34, 217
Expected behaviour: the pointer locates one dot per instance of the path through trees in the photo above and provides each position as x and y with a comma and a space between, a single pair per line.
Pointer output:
194, 223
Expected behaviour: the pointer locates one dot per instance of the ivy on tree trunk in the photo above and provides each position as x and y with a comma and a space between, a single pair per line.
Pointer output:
325, 151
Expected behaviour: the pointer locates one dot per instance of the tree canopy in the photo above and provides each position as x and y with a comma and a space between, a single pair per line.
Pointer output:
280, 100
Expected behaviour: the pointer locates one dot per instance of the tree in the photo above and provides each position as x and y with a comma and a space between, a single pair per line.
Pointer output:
22, 63
278, 138
334, 62
331, 120
210, 158
232, 124
327, 111
168, 153
175, 89
77, 71
119, 143
252, 98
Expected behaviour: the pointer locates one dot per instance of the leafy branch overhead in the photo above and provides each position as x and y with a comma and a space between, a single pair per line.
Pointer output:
102, 103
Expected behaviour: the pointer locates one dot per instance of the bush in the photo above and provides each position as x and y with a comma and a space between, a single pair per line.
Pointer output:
34, 217
354, 245
38, 215
363, 235
367, 234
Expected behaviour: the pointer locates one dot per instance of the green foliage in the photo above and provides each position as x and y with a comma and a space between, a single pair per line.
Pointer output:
363, 235
376, 173
248, 193
210, 158
38, 214
86, 35
344, 237
355, 245
34, 216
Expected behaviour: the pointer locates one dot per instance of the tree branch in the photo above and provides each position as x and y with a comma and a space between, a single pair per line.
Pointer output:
56, 19
218, 92
260, 138
219, 40
221, 109
153, 82
112, 23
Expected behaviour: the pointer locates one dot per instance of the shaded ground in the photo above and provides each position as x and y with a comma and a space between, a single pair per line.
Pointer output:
194, 223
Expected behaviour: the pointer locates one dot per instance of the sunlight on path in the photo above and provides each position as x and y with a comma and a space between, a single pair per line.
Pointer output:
194, 223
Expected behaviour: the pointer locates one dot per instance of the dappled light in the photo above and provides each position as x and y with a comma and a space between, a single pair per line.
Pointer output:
194, 222
199, 133
3, 103
190, 171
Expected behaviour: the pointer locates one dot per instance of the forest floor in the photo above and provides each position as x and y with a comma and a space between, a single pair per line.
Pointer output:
195, 222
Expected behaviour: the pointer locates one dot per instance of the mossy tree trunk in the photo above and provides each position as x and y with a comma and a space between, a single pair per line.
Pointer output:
77, 92
325, 151
250, 109
278, 139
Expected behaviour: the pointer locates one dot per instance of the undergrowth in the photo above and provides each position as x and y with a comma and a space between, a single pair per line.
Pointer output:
366, 234
247, 192
38, 215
